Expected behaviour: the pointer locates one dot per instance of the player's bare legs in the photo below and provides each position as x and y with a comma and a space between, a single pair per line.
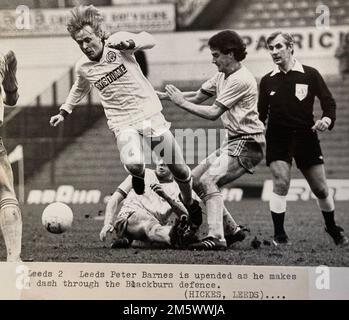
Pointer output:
281, 174
10, 214
173, 157
130, 146
231, 228
140, 226
221, 170
316, 177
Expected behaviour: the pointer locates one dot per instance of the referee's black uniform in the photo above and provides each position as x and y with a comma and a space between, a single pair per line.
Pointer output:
287, 101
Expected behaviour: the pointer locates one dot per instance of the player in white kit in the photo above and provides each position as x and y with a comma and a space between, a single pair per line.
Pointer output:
235, 89
10, 213
145, 217
130, 103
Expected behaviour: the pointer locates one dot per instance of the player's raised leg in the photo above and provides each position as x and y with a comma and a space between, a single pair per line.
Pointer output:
223, 167
173, 157
10, 213
130, 145
232, 231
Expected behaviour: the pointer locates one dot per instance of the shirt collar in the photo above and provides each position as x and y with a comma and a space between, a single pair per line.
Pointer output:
296, 67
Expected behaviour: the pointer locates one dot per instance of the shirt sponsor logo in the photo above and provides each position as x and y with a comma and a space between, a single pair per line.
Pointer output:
272, 93
112, 76
301, 91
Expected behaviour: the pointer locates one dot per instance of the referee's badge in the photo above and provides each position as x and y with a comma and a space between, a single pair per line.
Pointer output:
301, 91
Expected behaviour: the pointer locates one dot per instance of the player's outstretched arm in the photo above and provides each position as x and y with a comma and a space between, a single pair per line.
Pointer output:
110, 211
8, 78
78, 91
112, 205
123, 41
176, 207
162, 95
210, 112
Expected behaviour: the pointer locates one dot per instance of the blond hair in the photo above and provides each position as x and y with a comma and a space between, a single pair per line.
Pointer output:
82, 16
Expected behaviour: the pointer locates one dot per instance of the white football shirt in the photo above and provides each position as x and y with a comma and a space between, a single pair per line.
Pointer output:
2, 74
238, 92
149, 201
125, 93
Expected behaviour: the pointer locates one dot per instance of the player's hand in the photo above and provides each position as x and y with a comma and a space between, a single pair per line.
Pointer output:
56, 120
162, 95
10, 79
322, 125
11, 60
122, 45
106, 228
159, 190
175, 94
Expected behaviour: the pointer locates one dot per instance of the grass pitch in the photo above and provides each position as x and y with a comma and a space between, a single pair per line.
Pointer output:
311, 246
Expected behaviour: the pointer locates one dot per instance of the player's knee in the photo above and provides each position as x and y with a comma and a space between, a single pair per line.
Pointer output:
207, 184
135, 169
11, 213
196, 183
207, 179
181, 172
321, 192
281, 184
151, 229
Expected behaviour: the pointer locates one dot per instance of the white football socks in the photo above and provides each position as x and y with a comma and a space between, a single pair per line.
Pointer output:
277, 203
327, 204
11, 226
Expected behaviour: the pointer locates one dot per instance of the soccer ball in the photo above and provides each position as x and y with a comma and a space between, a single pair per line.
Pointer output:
57, 217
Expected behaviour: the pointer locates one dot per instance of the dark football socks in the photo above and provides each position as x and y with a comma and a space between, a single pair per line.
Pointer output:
278, 220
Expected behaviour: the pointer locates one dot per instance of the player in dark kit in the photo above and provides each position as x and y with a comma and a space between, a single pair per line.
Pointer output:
286, 98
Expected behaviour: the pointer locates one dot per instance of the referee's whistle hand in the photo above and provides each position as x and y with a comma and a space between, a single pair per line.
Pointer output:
321, 125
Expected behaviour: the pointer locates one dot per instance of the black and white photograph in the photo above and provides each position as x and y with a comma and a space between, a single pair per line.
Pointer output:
175, 132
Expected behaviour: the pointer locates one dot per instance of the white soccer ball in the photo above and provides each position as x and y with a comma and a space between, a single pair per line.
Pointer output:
57, 217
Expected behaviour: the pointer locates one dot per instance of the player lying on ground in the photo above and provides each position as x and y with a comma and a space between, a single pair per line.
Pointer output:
146, 217
130, 103
235, 89
287, 99
10, 213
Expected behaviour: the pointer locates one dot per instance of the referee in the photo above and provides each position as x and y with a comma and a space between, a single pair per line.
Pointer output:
286, 99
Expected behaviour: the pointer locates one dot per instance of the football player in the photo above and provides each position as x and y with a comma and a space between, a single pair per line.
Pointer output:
147, 217
130, 103
10, 213
235, 89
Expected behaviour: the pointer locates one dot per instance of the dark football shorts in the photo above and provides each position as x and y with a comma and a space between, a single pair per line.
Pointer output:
302, 145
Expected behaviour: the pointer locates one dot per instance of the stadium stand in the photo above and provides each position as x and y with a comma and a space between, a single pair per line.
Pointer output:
278, 13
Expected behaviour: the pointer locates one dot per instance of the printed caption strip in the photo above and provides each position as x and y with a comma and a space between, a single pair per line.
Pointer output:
31, 281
